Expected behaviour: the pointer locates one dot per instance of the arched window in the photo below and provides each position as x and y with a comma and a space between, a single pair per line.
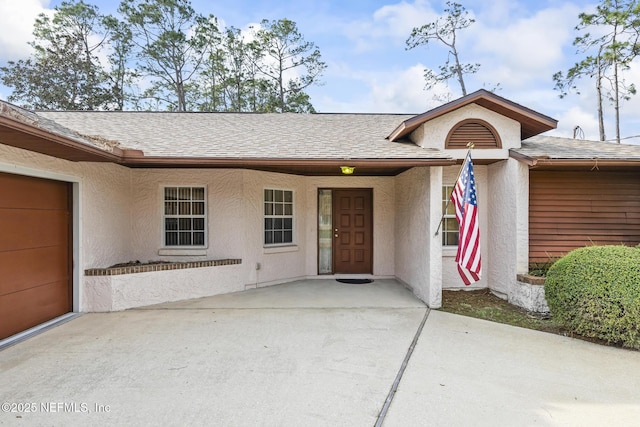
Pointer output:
477, 131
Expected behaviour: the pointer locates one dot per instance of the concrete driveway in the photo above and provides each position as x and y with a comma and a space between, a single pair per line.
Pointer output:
311, 353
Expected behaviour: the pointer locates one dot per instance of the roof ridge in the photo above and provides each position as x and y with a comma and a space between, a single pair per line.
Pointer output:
248, 113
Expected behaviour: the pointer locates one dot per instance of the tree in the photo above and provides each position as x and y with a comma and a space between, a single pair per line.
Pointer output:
608, 54
592, 67
121, 46
166, 33
445, 31
84, 60
206, 92
241, 81
289, 64
229, 79
64, 71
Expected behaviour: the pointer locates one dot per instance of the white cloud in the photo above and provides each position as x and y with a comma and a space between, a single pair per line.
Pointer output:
580, 120
397, 20
497, 12
392, 91
16, 21
393, 23
526, 49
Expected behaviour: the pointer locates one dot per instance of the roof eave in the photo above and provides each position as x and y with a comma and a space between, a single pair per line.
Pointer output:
51, 144
28, 136
545, 161
298, 166
532, 123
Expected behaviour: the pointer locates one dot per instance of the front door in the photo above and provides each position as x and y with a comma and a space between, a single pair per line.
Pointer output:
352, 231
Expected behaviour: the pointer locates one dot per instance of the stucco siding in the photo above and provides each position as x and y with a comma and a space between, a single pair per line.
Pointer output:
120, 292
520, 172
104, 199
508, 227
224, 206
508, 129
106, 220
435, 242
276, 263
120, 220
235, 220
412, 234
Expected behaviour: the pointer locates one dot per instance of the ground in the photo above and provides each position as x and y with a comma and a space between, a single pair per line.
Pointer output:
483, 304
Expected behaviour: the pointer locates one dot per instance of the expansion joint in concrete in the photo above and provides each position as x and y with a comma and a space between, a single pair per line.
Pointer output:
405, 362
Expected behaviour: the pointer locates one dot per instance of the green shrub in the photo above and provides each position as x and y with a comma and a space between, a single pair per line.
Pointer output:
595, 292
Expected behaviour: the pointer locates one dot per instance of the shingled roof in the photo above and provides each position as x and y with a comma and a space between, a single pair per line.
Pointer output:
292, 143
554, 151
248, 135
309, 144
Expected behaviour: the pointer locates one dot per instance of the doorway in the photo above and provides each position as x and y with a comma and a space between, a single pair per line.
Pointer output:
345, 231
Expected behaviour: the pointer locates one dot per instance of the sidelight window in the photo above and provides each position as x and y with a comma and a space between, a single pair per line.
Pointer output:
449, 223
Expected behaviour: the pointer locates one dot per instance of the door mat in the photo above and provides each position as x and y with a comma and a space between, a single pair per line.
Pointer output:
354, 281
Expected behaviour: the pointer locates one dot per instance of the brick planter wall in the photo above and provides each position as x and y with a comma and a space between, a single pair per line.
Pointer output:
120, 288
528, 292
162, 266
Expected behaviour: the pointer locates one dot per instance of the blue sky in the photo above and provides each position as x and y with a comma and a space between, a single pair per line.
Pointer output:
519, 44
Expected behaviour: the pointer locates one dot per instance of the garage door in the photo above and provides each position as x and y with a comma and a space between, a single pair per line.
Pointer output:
35, 252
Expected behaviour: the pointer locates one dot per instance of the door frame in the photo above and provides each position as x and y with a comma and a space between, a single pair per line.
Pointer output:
333, 252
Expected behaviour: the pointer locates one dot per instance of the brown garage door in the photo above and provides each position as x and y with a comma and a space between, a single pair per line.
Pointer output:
35, 247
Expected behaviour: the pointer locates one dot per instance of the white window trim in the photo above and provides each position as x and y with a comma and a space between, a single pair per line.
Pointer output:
180, 251
280, 249
293, 243
183, 250
447, 248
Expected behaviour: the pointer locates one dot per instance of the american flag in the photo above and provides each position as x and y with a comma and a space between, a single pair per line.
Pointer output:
465, 199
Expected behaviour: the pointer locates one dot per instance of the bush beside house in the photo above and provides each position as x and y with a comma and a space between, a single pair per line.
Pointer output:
595, 292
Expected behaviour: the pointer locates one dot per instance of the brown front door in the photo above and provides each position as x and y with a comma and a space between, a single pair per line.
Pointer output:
353, 231
35, 259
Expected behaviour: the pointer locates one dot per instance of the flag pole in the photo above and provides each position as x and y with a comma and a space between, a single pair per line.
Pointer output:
470, 146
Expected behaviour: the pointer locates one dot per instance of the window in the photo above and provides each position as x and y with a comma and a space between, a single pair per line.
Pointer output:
449, 223
278, 217
184, 216
325, 231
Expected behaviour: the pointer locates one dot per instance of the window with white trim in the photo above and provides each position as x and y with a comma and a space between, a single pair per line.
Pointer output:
450, 231
278, 217
184, 216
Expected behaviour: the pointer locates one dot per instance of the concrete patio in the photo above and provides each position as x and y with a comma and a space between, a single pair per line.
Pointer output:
312, 353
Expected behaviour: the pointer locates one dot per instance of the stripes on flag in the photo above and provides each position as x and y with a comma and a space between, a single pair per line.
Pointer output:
464, 197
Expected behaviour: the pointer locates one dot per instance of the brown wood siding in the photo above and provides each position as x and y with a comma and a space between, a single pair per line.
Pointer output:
571, 209
35, 258
480, 133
